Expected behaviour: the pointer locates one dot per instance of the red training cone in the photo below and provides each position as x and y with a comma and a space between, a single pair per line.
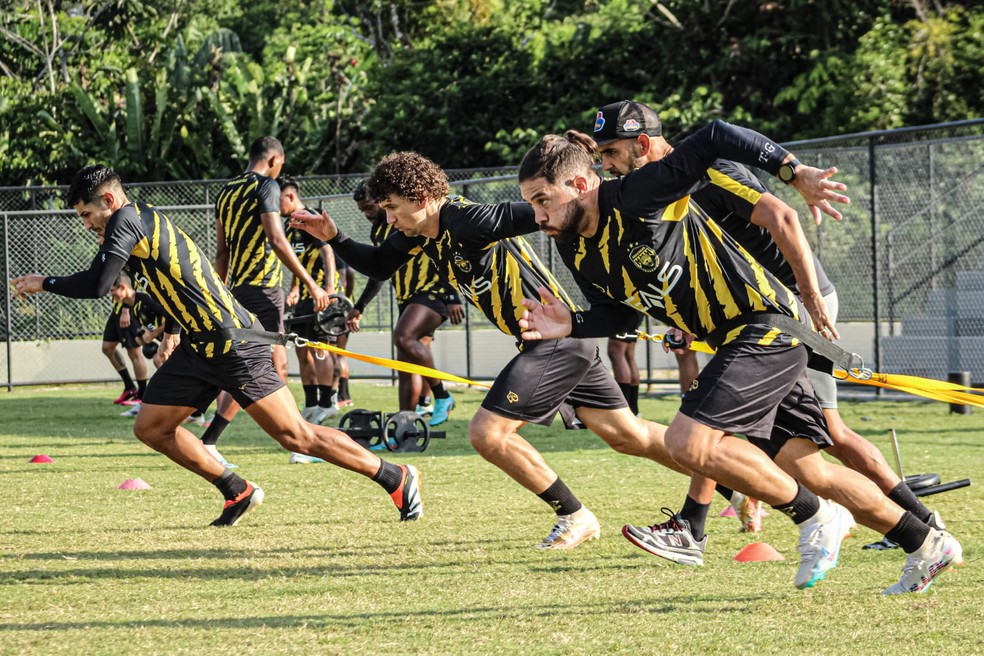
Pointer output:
728, 511
41, 458
134, 484
758, 552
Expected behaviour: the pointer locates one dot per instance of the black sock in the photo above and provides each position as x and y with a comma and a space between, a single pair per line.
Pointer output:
127, 381
626, 389
634, 399
343, 390
423, 401
197, 413
696, 515
725, 492
231, 485
141, 387
439, 392
903, 496
310, 395
803, 506
558, 496
389, 476
325, 392
212, 433
909, 533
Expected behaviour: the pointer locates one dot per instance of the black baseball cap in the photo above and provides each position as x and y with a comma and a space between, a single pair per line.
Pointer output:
625, 120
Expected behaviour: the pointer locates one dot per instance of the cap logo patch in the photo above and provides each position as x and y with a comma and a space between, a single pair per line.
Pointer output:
599, 122
632, 125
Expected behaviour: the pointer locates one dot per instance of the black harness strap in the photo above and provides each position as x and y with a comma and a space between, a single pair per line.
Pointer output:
244, 335
824, 353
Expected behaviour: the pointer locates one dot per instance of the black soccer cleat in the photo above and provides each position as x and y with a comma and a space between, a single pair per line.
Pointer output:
236, 509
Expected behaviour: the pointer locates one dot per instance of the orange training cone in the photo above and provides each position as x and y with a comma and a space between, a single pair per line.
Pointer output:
728, 511
134, 484
41, 458
758, 552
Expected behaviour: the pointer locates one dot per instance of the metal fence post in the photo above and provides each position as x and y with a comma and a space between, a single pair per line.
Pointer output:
6, 300
875, 268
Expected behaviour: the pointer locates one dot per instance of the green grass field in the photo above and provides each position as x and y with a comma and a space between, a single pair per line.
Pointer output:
325, 567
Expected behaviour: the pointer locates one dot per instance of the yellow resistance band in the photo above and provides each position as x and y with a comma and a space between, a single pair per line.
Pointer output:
929, 388
407, 367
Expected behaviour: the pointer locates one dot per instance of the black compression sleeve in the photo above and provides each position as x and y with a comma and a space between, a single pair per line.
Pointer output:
603, 321
365, 298
379, 262
94, 282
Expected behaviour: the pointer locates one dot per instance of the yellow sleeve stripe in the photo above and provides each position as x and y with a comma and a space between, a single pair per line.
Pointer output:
731, 185
676, 211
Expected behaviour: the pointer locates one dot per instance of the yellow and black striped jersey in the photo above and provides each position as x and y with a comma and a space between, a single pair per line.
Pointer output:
667, 259
145, 310
239, 206
417, 276
164, 262
729, 200
308, 252
480, 250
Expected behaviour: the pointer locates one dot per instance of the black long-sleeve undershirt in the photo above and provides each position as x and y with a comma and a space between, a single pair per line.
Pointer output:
94, 282
377, 262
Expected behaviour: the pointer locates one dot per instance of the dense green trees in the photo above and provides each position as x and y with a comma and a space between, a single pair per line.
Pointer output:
168, 89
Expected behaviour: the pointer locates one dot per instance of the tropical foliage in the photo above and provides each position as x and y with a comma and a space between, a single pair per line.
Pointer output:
171, 89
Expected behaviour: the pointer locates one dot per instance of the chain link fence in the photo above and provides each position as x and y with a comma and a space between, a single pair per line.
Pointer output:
907, 260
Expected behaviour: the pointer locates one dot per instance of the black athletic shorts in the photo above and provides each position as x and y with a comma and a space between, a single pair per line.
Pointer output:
631, 336
761, 392
267, 303
193, 380
113, 332
428, 300
534, 384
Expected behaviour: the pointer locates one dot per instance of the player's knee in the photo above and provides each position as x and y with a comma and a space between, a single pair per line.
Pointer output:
688, 452
405, 341
484, 437
108, 349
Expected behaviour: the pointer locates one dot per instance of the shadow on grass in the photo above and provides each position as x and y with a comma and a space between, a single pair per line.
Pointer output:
691, 604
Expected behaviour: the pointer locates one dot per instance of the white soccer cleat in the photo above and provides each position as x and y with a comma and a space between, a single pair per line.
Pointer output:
571, 530
924, 564
302, 459
820, 541
309, 411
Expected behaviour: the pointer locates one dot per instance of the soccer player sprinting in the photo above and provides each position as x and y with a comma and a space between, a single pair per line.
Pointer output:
738, 202
639, 244
481, 251
198, 355
425, 301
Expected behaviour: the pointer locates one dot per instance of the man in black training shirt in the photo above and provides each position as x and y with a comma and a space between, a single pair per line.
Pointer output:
480, 250
249, 249
737, 201
424, 301
164, 261
638, 244
316, 368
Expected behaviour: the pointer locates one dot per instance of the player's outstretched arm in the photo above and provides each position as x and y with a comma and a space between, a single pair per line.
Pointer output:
545, 319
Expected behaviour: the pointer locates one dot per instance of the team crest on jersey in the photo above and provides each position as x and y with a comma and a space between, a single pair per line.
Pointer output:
462, 263
644, 257
599, 122
632, 125
693, 386
512, 397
